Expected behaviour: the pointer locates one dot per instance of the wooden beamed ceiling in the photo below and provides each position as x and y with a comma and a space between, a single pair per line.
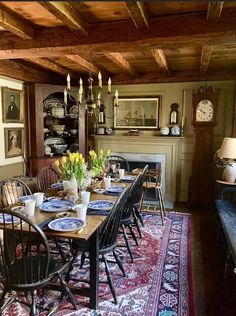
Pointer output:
145, 48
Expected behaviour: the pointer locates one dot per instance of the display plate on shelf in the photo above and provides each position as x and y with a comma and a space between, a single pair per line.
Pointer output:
66, 224
54, 140
104, 205
73, 112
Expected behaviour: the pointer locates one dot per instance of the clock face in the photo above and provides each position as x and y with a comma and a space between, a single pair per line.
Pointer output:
204, 111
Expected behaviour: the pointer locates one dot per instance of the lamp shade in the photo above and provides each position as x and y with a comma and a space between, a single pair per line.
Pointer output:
228, 148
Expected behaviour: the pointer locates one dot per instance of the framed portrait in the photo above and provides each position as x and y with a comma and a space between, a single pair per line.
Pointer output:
13, 138
137, 112
12, 105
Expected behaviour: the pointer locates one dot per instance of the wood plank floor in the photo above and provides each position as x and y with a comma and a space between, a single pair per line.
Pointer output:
214, 290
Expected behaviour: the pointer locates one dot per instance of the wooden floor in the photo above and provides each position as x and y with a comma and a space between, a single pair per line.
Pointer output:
214, 290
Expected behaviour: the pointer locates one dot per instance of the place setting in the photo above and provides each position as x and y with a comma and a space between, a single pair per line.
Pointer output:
100, 207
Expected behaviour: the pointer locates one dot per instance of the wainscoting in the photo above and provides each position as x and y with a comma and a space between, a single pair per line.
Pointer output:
169, 147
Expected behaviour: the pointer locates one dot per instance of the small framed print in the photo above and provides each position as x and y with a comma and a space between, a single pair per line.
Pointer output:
13, 138
12, 105
137, 112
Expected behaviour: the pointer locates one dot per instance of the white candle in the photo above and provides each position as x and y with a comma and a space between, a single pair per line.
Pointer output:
80, 93
116, 97
68, 82
81, 83
100, 80
65, 96
99, 98
109, 85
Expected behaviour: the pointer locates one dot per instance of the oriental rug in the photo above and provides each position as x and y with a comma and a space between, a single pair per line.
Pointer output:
157, 283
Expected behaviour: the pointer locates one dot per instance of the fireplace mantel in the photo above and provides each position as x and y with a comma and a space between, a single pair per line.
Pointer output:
163, 145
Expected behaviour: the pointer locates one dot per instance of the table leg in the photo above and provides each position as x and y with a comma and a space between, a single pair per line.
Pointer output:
94, 269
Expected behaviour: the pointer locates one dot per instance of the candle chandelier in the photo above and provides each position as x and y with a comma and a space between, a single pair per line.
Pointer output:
94, 105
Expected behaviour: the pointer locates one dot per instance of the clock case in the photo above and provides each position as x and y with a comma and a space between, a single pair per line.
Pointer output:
205, 93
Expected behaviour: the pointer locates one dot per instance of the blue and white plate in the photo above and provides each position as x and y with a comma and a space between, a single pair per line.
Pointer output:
57, 186
24, 198
56, 206
8, 219
115, 189
128, 178
104, 205
66, 224
57, 198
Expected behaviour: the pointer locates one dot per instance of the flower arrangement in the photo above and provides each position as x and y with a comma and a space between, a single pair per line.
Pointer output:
72, 165
97, 161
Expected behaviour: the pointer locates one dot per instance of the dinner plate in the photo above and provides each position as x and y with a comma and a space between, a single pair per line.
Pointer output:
56, 206
57, 186
101, 191
57, 198
128, 178
24, 198
115, 189
8, 219
66, 224
104, 205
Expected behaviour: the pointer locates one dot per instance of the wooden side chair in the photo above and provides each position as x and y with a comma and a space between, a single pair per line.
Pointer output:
154, 182
10, 191
27, 271
107, 243
47, 176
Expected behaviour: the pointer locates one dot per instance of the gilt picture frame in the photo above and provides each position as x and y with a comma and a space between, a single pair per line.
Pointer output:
12, 105
13, 139
137, 113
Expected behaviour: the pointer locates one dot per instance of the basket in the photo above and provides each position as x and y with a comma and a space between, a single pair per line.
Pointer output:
96, 184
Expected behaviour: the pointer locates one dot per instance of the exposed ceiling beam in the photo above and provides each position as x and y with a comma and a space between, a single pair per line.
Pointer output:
118, 59
214, 10
67, 14
160, 58
15, 25
83, 63
42, 62
179, 76
18, 70
205, 58
138, 13
196, 31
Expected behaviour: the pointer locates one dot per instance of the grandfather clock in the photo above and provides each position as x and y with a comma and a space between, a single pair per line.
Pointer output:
201, 182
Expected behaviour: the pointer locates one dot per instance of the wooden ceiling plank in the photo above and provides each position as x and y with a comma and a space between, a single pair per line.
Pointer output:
138, 13
118, 59
83, 63
42, 62
17, 70
14, 25
58, 41
177, 76
214, 10
205, 58
160, 59
67, 14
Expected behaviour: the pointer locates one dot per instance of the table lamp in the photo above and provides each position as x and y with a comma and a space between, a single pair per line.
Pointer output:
228, 151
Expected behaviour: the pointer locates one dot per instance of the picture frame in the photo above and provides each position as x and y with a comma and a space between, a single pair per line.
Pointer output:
13, 139
137, 113
12, 105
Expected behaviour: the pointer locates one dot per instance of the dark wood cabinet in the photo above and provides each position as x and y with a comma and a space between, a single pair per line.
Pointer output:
42, 122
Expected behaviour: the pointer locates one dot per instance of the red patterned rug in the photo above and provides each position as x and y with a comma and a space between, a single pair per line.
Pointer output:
157, 283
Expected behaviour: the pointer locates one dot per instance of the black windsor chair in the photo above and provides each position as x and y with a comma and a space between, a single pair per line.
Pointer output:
11, 189
128, 215
107, 242
30, 270
118, 159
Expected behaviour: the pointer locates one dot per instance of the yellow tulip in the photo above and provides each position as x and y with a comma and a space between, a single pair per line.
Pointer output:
101, 152
63, 160
57, 163
108, 152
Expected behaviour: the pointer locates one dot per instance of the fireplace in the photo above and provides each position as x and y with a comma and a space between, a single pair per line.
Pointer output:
139, 160
148, 148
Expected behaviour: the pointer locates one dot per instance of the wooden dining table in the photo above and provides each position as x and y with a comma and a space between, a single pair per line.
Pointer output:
88, 234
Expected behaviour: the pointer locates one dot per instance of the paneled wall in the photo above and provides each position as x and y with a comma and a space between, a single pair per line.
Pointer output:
9, 166
181, 93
